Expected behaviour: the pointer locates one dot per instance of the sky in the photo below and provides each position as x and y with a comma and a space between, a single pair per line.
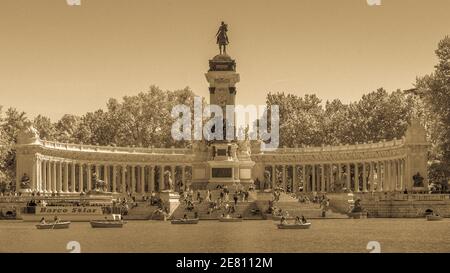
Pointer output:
57, 59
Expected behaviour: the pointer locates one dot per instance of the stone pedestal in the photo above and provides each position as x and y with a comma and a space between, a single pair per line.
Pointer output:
171, 199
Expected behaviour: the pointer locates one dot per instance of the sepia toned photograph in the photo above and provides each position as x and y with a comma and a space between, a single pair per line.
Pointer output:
224, 127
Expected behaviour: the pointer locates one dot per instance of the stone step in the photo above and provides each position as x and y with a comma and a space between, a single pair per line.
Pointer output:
242, 208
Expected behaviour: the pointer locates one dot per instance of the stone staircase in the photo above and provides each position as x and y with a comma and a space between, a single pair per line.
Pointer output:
202, 210
295, 208
246, 209
142, 212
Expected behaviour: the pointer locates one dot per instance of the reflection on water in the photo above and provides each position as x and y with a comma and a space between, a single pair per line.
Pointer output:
394, 235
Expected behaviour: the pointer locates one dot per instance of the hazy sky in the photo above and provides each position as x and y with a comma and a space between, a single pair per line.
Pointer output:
57, 59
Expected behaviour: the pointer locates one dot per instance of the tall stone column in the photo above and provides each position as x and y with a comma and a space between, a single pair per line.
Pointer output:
89, 177
364, 177
331, 181
33, 185
142, 179
161, 178
305, 183
313, 178
133, 179
152, 179
322, 178
356, 177
66, 177
124, 179
59, 177
114, 179
371, 180
73, 177
294, 178
44, 176
339, 173
348, 182
183, 177
106, 175
80, 177
386, 180
172, 172
49, 177
402, 174
284, 177
379, 180
54, 177
97, 171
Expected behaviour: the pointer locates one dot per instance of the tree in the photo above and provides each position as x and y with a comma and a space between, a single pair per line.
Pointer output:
434, 92
45, 128
10, 126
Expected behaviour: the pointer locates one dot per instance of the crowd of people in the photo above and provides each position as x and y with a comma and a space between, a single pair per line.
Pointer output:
226, 201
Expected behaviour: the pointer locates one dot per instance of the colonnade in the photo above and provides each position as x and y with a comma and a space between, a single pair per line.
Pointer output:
66, 176
359, 176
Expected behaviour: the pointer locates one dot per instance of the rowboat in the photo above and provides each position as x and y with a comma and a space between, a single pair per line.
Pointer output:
294, 226
60, 225
185, 221
230, 219
107, 224
434, 218
116, 222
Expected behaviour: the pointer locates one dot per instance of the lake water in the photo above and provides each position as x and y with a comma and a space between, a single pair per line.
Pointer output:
346, 235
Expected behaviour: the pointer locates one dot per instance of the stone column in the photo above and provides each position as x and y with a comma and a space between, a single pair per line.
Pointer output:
54, 177
339, 173
402, 174
161, 178
44, 176
379, 180
371, 175
356, 177
364, 177
33, 175
124, 179
133, 179
283, 176
386, 185
183, 176
73, 179
305, 184
89, 177
294, 178
399, 175
97, 171
331, 183
142, 179
174, 178
80, 177
348, 177
106, 175
66, 177
313, 178
322, 178
59, 176
50, 177
152, 179
114, 179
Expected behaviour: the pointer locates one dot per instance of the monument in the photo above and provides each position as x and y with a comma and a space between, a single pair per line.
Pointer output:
224, 162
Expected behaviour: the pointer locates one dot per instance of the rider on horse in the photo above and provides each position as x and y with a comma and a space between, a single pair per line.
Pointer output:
222, 38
